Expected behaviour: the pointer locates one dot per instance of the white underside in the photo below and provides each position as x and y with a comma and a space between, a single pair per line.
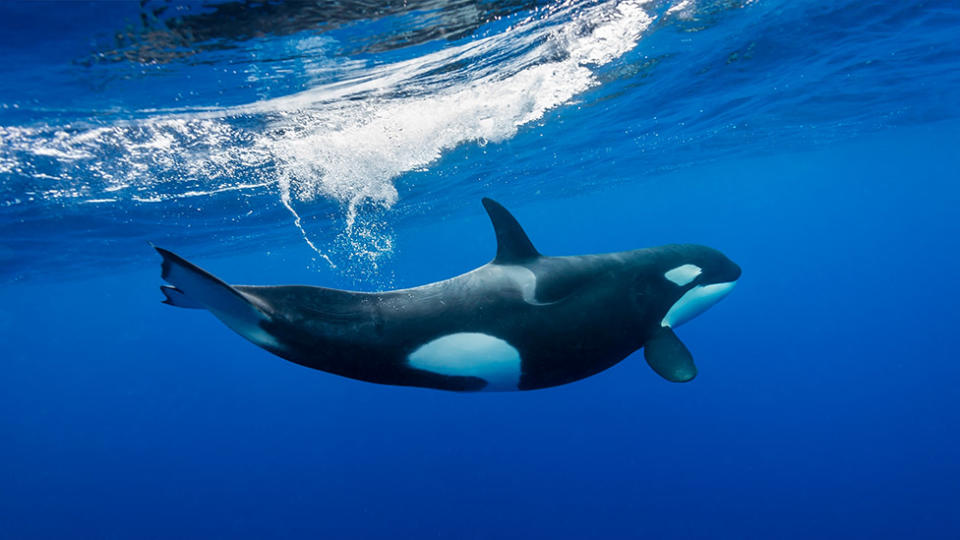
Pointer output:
696, 301
248, 326
471, 354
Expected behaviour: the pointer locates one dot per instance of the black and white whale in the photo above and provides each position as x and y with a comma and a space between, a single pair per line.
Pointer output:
521, 322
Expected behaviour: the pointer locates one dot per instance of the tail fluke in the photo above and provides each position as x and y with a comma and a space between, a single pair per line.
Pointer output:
193, 287
176, 298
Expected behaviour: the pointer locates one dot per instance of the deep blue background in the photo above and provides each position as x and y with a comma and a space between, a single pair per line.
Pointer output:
815, 143
826, 403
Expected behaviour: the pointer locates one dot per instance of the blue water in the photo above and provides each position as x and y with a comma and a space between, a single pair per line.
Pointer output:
815, 143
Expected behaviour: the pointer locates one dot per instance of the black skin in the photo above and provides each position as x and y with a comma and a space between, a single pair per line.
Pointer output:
587, 313
596, 310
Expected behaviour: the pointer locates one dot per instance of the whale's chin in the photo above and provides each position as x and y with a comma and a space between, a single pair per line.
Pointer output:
696, 301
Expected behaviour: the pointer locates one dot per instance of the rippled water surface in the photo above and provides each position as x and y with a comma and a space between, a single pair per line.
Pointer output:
332, 124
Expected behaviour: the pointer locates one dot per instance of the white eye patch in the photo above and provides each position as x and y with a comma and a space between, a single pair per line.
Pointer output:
682, 275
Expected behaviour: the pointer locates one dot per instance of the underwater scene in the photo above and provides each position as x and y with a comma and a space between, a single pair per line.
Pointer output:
479, 269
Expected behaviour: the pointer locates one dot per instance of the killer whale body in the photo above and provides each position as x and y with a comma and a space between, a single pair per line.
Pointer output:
524, 321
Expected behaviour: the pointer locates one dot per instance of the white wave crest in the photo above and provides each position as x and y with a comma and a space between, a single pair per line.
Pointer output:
346, 141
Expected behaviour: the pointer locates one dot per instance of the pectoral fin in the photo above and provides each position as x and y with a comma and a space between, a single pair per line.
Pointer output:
669, 357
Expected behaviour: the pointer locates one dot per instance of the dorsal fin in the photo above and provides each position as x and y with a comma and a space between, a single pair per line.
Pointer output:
513, 246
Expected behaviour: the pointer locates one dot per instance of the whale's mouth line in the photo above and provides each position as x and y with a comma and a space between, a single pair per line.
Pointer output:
696, 301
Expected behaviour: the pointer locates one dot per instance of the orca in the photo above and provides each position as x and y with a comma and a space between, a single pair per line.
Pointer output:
523, 321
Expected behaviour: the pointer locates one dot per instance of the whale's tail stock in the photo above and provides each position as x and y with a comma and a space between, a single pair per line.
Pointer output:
194, 288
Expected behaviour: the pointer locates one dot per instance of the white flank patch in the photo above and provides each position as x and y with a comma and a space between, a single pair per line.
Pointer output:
696, 301
682, 275
471, 354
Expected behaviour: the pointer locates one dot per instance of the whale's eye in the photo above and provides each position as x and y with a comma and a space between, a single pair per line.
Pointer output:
682, 275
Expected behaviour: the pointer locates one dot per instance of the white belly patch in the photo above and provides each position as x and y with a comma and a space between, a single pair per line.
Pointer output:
471, 354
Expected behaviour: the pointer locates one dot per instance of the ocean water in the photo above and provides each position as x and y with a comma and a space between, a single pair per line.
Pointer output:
348, 144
